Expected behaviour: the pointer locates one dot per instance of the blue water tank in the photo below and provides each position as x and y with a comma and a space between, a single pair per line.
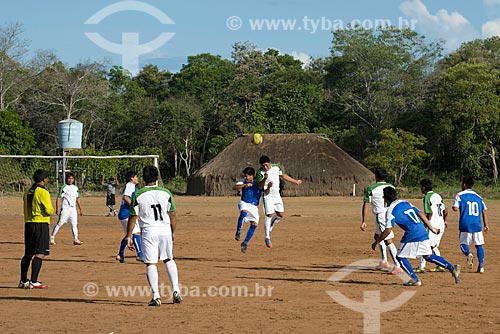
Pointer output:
70, 134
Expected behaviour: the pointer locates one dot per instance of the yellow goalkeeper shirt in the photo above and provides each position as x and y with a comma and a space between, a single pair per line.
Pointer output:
37, 205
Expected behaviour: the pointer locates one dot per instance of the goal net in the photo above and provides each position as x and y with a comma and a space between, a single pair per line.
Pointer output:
16, 171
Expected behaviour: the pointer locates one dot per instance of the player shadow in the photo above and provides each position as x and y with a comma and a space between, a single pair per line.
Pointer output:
11, 243
287, 279
73, 300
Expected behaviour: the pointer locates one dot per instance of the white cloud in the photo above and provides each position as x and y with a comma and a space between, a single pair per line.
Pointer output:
303, 57
491, 28
452, 27
491, 2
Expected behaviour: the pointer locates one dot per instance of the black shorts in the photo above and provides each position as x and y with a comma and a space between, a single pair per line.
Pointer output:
36, 238
110, 200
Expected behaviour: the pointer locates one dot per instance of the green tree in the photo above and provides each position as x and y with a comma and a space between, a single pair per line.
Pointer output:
375, 76
16, 137
399, 151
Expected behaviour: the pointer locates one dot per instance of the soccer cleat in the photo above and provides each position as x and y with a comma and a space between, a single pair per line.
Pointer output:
470, 260
383, 265
456, 273
177, 299
268, 243
413, 282
77, 242
24, 285
437, 269
140, 258
38, 285
52, 241
480, 270
237, 236
419, 270
110, 214
154, 302
243, 247
395, 271
114, 212
120, 258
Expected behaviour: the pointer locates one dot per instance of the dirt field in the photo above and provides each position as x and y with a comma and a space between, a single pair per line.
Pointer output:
286, 286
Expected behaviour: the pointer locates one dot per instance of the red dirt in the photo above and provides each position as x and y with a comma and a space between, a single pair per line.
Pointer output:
318, 237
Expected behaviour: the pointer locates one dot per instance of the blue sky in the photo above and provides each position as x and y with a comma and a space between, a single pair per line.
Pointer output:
190, 27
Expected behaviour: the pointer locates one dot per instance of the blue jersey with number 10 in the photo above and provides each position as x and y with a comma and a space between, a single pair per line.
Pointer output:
405, 215
471, 207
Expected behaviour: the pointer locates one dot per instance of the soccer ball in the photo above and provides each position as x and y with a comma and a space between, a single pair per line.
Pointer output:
257, 139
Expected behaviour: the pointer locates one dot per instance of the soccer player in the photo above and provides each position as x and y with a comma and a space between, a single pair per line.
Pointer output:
436, 213
37, 210
155, 208
374, 195
248, 205
70, 198
271, 174
415, 240
123, 215
110, 194
472, 208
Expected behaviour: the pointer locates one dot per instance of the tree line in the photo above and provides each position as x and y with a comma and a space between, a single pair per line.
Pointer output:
387, 97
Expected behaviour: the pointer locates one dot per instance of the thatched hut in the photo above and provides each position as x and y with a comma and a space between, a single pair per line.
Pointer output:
324, 168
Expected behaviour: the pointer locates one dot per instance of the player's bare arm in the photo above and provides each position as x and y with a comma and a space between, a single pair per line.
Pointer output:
130, 229
173, 222
427, 223
290, 179
127, 199
79, 206
263, 182
485, 221
381, 237
445, 217
242, 185
364, 212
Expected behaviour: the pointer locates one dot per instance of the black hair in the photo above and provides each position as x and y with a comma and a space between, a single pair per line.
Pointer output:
130, 174
40, 175
150, 174
390, 194
380, 173
426, 184
111, 179
249, 171
468, 181
263, 159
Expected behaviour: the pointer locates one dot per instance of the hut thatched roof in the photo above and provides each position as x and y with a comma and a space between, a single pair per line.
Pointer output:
324, 168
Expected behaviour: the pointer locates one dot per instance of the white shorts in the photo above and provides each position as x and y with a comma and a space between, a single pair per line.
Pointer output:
467, 238
411, 250
136, 230
380, 226
68, 215
157, 241
252, 212
273, 204
435, 239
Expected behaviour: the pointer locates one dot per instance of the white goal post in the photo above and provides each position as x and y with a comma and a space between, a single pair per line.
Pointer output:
16, 171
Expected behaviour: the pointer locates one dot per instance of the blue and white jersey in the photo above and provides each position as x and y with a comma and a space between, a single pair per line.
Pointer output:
250, 194
129, 190
471, 207
405, 215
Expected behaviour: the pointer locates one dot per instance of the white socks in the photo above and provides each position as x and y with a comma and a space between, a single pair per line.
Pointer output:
152, 275
171, 267
394, 251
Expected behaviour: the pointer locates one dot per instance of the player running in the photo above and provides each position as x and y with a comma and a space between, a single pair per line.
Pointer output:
155, 208
269, 177
123, 215
374, 195
436, 213
248, 205
415, 240
70, 199
472, 208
